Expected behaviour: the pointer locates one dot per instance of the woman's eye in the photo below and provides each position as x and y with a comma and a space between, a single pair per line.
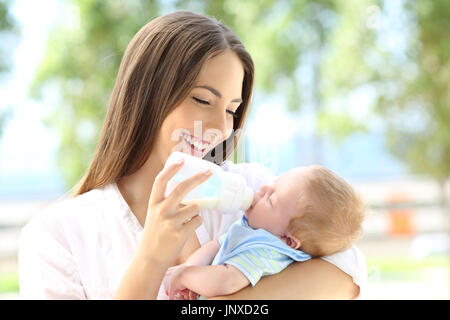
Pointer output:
200, 101
207, 103
232, 113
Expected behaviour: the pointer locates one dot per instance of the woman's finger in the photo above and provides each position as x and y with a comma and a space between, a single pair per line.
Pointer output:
161, 180
187, 218
186, 186
186, 213
192, 224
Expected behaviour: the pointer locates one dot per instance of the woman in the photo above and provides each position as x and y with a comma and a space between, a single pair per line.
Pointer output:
184, 83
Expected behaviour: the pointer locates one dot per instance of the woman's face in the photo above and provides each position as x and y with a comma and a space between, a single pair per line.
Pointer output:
205, 118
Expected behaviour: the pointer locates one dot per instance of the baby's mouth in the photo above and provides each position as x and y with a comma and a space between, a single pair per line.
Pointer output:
254, 201
247, 212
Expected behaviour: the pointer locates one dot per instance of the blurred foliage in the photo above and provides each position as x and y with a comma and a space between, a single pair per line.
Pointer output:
414, 93
402, 263
9, 32
312, 53
9, 281
9, 35
82, 59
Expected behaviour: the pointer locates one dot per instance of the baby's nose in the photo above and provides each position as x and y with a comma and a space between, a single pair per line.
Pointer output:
255, 199
263, 189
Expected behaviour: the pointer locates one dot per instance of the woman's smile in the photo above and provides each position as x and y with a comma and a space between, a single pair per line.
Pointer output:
195, 144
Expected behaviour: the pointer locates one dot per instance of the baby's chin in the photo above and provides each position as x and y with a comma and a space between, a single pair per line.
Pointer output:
248, 213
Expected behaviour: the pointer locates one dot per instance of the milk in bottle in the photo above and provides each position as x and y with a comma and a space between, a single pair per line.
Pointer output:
225, 192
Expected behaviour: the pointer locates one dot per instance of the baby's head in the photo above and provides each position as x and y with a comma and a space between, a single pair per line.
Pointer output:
309, 208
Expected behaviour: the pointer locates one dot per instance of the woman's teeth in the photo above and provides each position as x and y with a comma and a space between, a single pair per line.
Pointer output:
199, 145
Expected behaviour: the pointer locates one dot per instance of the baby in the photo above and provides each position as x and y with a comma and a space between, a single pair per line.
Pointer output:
308, 212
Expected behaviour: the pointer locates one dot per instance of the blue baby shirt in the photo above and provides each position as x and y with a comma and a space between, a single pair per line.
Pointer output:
255, 252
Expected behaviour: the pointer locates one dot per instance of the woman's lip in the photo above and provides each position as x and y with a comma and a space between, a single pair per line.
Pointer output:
203, 141
203, 151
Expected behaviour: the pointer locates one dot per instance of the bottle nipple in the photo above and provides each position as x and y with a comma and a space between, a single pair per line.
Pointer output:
248, 199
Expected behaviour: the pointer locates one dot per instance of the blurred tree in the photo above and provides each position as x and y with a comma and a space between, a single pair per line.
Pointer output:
81, 61
346, 67
289, 41
313, 53
414, 96
9, 34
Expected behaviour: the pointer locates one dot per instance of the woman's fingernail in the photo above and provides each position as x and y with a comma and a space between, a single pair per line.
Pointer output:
180, 162
207, 172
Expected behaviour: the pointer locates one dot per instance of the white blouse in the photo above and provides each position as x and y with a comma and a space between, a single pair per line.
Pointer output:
79, 248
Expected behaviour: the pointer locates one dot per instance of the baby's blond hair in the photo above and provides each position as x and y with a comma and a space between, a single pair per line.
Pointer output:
330, 220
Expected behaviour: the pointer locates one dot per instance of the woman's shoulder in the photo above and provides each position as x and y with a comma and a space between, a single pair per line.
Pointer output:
254, 173
352, 262
59, 216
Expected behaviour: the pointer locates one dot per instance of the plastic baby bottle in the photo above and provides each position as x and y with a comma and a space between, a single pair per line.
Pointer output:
225, 192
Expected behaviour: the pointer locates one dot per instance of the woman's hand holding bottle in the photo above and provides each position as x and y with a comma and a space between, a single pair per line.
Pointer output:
169, 223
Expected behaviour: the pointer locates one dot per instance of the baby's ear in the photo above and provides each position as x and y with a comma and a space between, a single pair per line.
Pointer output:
291, 241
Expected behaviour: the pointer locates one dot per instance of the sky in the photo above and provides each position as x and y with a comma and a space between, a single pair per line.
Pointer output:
27, 147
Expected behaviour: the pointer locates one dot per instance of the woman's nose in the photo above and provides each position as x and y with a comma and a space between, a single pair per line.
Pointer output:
221, 126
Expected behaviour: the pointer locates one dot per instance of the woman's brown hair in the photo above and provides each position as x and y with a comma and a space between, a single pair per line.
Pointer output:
156, 73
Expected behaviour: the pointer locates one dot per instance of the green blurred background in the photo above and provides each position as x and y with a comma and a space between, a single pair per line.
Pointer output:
362, 87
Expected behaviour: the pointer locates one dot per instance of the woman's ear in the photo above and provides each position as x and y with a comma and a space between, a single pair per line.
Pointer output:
291, 241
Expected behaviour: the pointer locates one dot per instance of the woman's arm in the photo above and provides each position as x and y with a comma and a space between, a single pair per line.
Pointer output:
313, 279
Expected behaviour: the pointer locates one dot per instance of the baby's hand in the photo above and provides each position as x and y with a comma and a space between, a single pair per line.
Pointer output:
177, 288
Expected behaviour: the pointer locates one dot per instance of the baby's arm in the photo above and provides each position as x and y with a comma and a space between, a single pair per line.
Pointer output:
204, 255
208, 281
201, 257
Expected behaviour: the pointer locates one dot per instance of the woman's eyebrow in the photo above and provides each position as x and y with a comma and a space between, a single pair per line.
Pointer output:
217, 93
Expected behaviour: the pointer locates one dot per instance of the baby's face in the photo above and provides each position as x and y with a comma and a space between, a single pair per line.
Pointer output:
274, 205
